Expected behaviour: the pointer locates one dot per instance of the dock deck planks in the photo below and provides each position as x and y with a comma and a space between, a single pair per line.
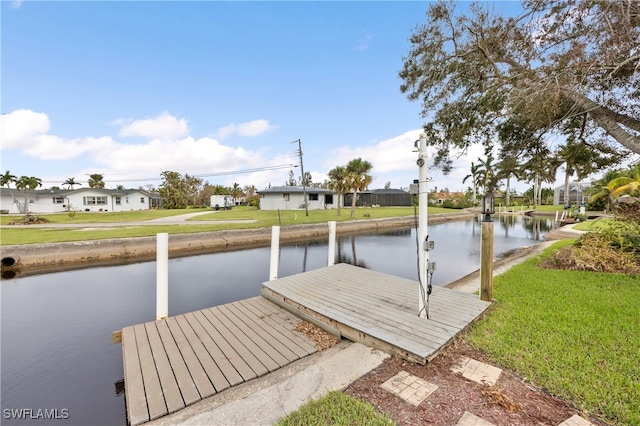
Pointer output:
172, 363
376, 309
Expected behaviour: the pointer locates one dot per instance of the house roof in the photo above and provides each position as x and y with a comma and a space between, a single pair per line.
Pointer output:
292, 189
66, 192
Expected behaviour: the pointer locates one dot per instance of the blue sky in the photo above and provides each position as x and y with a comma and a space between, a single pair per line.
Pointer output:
131, 89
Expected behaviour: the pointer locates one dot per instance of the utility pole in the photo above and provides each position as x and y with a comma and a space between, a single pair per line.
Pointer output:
304, 183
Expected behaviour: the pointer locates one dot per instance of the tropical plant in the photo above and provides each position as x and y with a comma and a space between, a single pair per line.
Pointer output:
358, 179
96, 180
507, 168
475, 182
71, 182
7, 179
26, 184
338, 183
604, 188
632, 186
236, 192
173, 190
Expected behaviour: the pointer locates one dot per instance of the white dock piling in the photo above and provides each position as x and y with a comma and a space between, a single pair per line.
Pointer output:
332, 242
275, 253
162, 276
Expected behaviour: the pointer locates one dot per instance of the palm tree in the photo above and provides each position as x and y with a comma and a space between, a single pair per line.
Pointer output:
487, 174
358, 179
605, 187
26, 184
71, 182
474, 180
236, 191
7, 179
632, 187
338, 182
96, 180
508, 167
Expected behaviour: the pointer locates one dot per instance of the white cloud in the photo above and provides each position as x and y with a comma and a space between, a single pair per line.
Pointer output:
21, 128
164, 126
248, 128
27, 133
394, 160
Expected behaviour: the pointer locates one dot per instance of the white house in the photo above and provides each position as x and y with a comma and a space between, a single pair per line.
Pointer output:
84, 199
292, 198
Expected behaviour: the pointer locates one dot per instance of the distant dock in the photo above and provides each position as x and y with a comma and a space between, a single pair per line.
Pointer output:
172, 363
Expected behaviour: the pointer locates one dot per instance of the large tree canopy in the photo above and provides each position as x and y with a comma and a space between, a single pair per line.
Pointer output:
557, 61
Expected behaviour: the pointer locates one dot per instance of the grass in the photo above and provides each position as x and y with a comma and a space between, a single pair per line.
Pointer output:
336, 408
593, 225
12, 236
105, 217
575, 333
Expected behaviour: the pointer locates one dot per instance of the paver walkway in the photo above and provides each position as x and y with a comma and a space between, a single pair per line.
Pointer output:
415, 390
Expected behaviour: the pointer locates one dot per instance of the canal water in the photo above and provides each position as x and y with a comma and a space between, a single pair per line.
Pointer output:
56, 328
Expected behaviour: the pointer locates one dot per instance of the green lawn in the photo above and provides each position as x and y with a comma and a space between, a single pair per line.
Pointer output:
105, 217
335, 409
11, 236
594, 225
574, 333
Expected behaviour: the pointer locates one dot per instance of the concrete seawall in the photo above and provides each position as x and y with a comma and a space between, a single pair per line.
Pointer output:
52, 257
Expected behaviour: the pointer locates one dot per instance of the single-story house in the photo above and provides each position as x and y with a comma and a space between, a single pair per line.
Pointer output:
292, 198
379, 198
578, 194
441, 197
84, 199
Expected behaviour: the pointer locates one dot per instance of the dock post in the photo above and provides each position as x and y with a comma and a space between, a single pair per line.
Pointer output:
423, 223
486, 262
332, 242
275, 253
162, 276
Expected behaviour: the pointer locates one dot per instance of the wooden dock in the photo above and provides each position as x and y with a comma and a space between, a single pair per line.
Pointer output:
376, 309
172, 363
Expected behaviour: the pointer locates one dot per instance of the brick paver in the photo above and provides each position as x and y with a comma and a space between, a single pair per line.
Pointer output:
411, 388
477, 371
576, 420
469, 419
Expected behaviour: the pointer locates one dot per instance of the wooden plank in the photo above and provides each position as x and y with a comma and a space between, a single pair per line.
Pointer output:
261, 329
292, 341
185, 382
214, 374
236, 341
136, 401
393, 327
375, 311
245, 335
231, 375
229, 351
202, 382
152, 388
339, 320
168, 383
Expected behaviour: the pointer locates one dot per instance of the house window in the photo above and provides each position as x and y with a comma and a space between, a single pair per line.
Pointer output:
286, 197
126, 200
118, 200
328, 198
141, 200
58, 200
313, 197
94, 201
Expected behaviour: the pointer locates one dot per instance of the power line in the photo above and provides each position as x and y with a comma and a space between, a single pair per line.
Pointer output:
201, 175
